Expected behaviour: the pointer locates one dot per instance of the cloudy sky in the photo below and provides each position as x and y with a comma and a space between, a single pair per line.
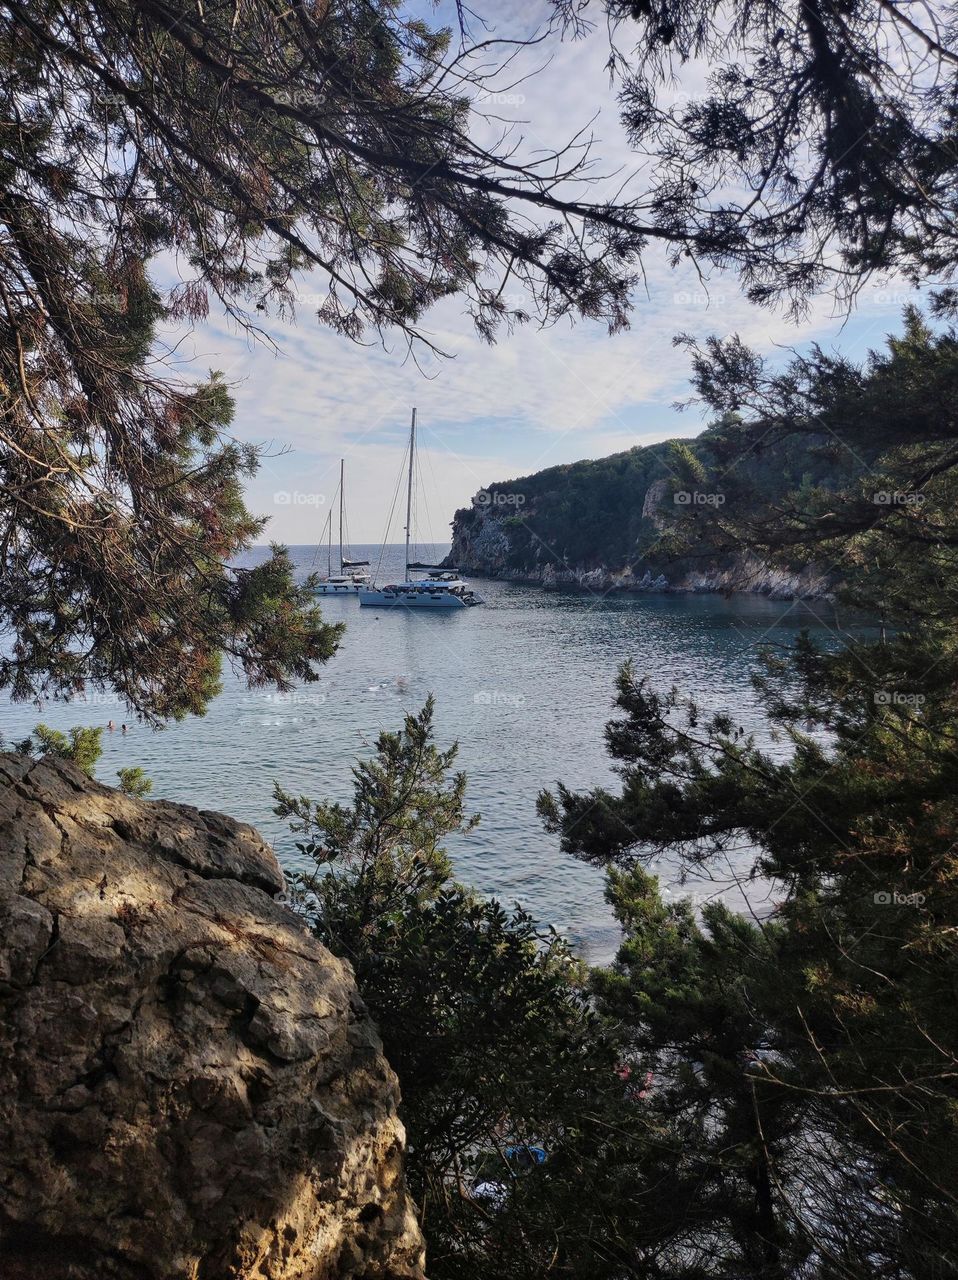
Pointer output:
537, 398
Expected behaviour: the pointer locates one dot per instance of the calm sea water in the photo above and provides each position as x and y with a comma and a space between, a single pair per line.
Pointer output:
525, 684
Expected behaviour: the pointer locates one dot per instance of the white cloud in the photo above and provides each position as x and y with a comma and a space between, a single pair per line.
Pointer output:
535, 399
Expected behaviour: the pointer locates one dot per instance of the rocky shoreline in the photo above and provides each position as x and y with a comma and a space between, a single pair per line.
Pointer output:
774, 584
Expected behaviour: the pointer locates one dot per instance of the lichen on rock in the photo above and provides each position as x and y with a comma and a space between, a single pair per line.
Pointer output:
190, 1085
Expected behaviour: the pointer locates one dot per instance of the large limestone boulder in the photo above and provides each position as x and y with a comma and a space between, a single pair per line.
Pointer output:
190, 1086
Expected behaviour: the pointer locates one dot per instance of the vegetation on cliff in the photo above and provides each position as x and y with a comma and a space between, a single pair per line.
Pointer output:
822, 461
633, 510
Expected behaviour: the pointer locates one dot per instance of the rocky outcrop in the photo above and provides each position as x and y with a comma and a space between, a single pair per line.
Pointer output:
483, 546
652, 502
190, 1086
746, 573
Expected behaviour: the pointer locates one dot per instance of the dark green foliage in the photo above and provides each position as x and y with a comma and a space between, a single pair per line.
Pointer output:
122, 493
797, 1118
486, 1022
134, 782
880, 505
825, 1032
852, 469
694, 996
581, 514
81, 745
848, 989
595, 513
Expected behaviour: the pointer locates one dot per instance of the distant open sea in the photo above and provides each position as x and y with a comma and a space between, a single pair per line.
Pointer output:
524, 683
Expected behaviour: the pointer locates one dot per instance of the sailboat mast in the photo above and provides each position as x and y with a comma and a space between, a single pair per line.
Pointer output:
329, 544
342, 474
412, 454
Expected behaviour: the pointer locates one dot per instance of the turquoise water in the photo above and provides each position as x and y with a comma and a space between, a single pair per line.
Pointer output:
525, 684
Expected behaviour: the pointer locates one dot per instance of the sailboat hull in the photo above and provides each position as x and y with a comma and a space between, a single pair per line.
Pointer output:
414, 598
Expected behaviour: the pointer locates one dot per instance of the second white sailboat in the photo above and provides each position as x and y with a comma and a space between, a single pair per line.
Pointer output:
352, 573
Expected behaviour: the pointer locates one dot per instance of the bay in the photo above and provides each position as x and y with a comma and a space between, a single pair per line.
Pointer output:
524, 683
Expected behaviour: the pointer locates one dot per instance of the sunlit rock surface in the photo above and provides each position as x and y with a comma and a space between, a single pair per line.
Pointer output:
190, 1086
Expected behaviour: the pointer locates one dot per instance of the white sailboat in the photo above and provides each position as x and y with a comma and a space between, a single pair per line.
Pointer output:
353, 574
437, 588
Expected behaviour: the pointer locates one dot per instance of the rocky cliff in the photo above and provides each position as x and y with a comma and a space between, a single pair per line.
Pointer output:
491, 540
190, 1086
653, 518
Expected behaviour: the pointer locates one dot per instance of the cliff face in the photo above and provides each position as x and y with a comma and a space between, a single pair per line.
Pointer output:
190, 1086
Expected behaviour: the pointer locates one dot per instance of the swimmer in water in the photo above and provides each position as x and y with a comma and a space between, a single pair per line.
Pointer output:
123, 728
111, 726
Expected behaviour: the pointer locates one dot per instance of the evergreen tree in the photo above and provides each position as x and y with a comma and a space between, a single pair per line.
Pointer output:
848, 1041
81, 745
821, 146
485, 1019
